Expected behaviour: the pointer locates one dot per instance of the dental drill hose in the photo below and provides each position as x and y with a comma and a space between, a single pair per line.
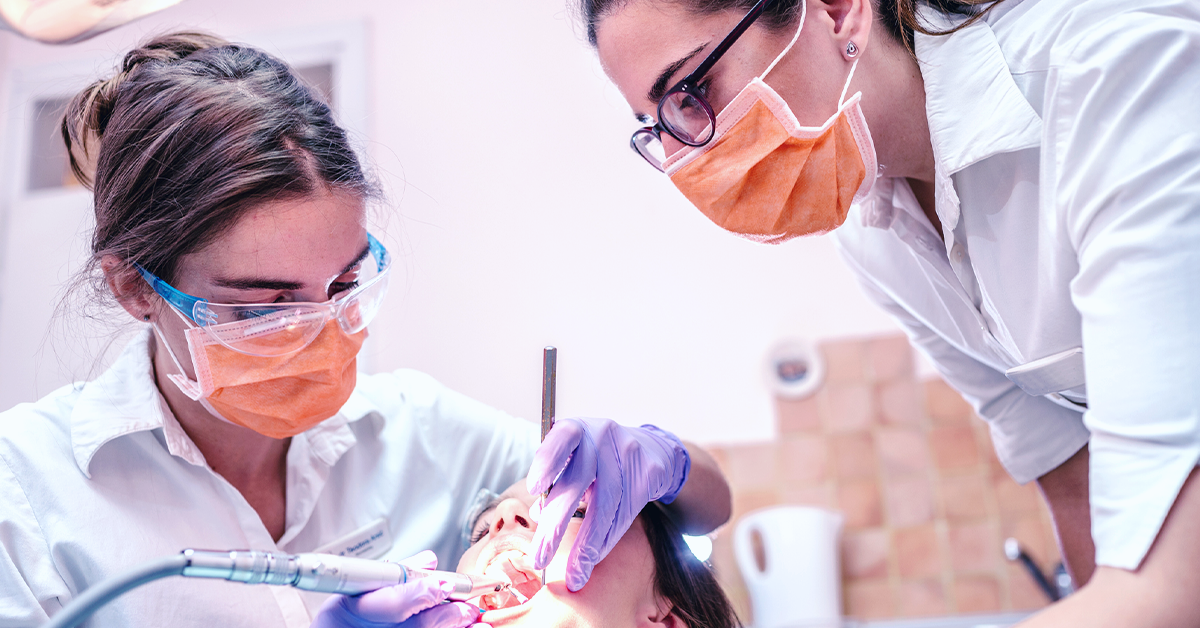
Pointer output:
311, 572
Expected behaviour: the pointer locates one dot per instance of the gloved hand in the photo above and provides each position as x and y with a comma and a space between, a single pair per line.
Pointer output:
620, 468
416, 604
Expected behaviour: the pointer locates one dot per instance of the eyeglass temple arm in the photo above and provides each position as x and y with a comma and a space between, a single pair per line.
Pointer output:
192, 307
382, 258
725, 44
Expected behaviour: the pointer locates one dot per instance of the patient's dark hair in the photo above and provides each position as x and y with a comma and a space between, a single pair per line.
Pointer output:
189, 135
681, 579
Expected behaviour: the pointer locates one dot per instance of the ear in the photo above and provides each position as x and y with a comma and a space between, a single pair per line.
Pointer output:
660, 615
128, 287
851, 23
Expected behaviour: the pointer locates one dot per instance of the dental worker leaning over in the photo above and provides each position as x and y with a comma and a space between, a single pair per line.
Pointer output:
230, 212
1018, 184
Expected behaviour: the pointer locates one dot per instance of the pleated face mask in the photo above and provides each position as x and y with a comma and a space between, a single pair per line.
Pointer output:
765, 177
278, 396
276, 368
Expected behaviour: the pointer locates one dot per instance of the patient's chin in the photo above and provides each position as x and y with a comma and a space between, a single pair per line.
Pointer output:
515, 567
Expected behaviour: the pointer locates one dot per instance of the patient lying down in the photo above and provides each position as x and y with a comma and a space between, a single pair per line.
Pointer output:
650, 579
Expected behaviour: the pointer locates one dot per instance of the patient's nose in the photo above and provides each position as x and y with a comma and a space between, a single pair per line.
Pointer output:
511, 512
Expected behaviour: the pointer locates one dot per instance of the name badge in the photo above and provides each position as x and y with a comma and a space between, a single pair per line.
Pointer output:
370, 541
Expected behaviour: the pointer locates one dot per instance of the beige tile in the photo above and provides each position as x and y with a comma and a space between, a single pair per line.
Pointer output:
803, 460
902, 450
865, 554
890, 358
798, 415
977, 594
860, 502
752, 467
954, 447
917, 553
964, 498
922, 598
899, 403
1014, 498
745, 502
909, 501
869, 599
718, 454
1024, 594
854, 455
845, 360
821, 496
847, 407
975, 547
944, 404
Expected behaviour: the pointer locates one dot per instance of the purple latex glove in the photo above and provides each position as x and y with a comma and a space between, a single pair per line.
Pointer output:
416, 604
620, 468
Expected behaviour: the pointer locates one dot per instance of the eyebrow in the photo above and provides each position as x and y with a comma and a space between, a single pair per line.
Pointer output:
659, 89
256, 283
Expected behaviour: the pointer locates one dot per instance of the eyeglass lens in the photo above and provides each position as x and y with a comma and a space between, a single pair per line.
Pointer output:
687, 117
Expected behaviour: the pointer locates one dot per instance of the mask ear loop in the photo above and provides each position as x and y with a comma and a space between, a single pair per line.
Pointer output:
185, 385
803, 14
846, 87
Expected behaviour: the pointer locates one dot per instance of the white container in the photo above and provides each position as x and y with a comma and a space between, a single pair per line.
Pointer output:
800, 582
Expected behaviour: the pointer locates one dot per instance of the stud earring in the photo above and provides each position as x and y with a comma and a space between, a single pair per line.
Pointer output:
851, 50
146, 317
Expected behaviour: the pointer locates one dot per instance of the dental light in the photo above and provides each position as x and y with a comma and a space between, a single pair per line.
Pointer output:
70, 21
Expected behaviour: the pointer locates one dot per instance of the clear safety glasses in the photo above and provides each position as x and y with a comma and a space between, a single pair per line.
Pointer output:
683, 112
278, 329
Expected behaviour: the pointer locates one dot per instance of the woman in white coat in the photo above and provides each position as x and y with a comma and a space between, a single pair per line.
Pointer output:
231, 224
1018, 183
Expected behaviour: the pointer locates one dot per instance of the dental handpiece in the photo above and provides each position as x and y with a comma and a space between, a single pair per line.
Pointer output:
326, 573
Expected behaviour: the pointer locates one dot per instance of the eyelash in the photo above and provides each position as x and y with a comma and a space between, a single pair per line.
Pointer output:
481, 529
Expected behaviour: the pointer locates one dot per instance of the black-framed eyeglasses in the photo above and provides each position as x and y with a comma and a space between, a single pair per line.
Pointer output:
683, 112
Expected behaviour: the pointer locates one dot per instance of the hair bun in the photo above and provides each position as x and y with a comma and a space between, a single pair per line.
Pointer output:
168, 48
88, 113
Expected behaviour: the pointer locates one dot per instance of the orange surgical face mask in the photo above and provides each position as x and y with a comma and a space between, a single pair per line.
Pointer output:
277, 396
765, 177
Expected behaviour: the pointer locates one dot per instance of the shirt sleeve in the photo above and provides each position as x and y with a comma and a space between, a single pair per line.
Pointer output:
1032, 435
1124, 125
30, 585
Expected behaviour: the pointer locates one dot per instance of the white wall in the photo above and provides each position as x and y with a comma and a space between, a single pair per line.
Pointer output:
521, 218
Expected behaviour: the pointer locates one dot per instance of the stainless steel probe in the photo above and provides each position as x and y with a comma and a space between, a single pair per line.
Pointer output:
549, 369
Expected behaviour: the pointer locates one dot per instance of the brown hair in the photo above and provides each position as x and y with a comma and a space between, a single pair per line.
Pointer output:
189, 135
899, 16
680, 578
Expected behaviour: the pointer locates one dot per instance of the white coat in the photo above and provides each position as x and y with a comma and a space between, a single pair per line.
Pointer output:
1066, 135
98, 478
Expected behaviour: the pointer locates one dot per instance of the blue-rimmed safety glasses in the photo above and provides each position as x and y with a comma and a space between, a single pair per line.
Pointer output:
278, 329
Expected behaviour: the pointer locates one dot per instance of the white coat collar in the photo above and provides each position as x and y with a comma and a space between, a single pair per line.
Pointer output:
974, 107
125, 400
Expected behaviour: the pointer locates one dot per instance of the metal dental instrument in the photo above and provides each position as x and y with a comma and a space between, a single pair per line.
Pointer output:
328, 573
549, 370
312, 572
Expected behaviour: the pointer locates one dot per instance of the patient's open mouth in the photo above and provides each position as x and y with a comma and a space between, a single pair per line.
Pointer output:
515, 567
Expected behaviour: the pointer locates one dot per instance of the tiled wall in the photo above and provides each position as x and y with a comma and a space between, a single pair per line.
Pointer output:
927, 505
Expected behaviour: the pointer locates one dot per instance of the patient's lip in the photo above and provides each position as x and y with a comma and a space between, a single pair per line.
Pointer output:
515, 540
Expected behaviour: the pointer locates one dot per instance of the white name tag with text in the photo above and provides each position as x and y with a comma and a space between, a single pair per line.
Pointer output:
370, 541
